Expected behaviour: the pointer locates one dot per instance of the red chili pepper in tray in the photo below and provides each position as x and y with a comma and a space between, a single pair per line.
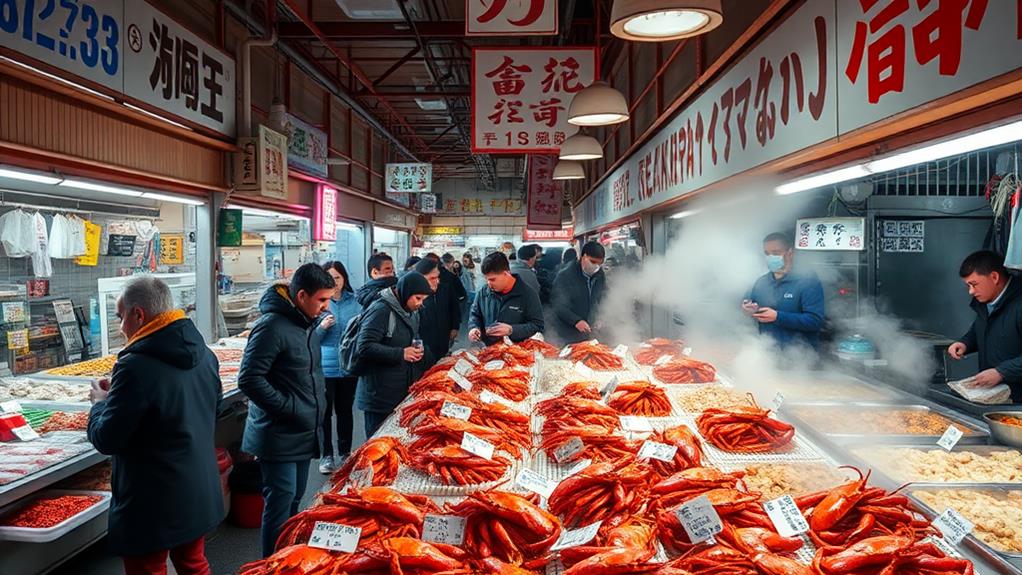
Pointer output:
45, 513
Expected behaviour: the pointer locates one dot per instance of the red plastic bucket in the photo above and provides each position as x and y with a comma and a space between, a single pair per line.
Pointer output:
246, 510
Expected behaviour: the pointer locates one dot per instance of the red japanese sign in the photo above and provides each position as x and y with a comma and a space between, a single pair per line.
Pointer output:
520, 97
325, 225
562, 235
545, 194
510, 17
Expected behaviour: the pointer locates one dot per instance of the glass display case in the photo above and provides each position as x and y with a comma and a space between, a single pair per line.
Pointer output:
182, 286
13, 327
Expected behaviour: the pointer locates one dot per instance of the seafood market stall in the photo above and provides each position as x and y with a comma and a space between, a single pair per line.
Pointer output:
54, 486
641, 459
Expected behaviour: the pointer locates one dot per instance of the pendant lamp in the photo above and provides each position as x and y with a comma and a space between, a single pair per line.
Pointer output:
598, 104
568, 170
580, 147
664, 20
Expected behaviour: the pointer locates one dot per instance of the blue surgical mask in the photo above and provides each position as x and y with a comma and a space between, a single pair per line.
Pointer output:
775, 263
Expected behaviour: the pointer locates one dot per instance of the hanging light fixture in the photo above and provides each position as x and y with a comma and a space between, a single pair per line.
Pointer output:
580, 147
598, 104
663, 20
568, 170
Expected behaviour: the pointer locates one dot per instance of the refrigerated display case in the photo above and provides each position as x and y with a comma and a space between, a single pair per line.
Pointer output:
182, 287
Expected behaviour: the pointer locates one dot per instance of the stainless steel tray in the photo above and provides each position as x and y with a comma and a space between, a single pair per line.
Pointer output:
973, 541
977, 432
860, 456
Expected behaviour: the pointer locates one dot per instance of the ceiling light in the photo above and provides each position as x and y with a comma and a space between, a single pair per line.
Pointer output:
684, 214
663, 20
29, 176
568, 170
269, 214
598, 105
82, 185
962, 145
173, 199
581, 147
156, 116
825, 179
57, 78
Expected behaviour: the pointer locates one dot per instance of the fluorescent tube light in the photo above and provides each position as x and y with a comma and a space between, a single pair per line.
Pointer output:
173, 199
825, 179
29, 176
685, 214
81, 185
961, 145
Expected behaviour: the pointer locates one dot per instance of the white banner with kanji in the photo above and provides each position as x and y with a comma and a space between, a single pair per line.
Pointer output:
409, 178
831, 234
510, 17
545, 194
520, 97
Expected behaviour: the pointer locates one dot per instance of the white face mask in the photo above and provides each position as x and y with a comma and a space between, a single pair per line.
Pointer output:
590, 268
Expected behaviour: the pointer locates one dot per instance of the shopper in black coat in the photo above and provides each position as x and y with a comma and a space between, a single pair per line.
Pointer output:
385, 347
381, 277
577, 293
505, 307
440, 316
156, 417
996, 335
281, 376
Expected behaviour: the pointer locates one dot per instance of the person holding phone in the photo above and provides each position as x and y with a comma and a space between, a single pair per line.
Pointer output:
394, 353
505, 306
786, 306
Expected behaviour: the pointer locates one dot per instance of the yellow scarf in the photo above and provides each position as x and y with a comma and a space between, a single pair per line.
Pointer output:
159, 322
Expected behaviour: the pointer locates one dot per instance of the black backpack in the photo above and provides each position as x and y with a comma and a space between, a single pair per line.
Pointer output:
349, 361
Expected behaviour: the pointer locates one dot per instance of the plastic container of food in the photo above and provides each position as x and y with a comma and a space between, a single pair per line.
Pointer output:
45, 535
1004, 432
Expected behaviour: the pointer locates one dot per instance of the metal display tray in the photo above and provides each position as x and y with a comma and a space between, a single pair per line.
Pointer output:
878, 465
977, 434
971, 541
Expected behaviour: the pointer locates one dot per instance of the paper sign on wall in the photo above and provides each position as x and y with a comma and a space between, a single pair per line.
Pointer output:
545, 193
409, 178
503, 18
172, 249
833, 234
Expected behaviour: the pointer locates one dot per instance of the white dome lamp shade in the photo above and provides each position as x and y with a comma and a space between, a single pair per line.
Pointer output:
664, 20
580, 147
598, 104
568, 170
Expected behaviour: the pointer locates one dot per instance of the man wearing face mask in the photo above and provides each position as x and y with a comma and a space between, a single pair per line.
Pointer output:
577, 293
787, 306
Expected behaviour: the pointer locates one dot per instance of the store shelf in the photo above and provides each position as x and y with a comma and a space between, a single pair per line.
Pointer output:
14, 491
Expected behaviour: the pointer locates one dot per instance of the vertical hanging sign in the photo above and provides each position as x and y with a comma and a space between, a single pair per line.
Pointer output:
545, 194
326, 214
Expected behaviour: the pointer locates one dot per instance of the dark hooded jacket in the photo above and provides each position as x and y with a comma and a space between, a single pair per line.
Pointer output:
520, 308
281, 377
158, 422
576, 297
441, 314
388, 376
997, 336
370, 292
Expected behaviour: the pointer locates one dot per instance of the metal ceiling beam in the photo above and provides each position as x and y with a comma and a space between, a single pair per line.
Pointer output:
434, 93
393, 68
373, 30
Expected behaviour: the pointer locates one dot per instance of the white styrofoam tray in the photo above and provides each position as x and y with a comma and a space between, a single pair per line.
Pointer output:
29, 535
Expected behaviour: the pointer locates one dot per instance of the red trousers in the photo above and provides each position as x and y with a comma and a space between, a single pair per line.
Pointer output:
188, 559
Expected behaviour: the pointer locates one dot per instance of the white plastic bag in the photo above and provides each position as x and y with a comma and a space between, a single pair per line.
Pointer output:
999, 393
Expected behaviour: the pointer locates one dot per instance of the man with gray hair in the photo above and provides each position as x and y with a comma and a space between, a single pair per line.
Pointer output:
156, 417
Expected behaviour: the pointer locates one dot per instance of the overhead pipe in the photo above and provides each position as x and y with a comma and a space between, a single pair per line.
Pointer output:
268, 38
331, 85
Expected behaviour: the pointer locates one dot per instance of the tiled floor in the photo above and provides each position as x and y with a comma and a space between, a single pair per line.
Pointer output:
227, 548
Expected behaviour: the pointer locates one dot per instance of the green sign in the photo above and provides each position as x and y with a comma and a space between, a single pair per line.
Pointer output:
228, 233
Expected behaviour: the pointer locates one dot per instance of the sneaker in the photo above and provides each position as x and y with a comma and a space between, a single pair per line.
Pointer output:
326, 465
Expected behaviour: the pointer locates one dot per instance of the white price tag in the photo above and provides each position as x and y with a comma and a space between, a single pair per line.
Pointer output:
335, 537
582, 464
12, 406
529, 479
488, 396
621, 351
25, 433
565, 352
778, 401
699, 519
950, 438
944, 546
687, 351
786, 517
471, 357
494, 365
463, 367
953, 526
459, 379
663, 359
576, 537
584, 370
538, 336
594, 342
609, 388
636, 423
445, 529
455, 410
507, 341
569, 450
477, 446
656, 450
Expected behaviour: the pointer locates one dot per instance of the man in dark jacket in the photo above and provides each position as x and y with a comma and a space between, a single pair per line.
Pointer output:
505, 306
281, 376
385, 346
524, 266
996, 335
577, 293
440, 316
157, 421
382, 276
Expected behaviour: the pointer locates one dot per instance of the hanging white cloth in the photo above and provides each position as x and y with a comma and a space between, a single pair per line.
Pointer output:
41, 265
17, 233
59, 244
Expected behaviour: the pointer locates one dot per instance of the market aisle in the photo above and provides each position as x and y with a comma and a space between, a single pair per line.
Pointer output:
227, 548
